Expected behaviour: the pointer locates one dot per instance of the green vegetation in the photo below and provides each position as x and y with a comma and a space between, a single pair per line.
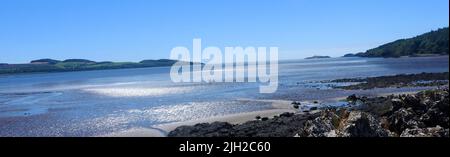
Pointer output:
351, 55
431, 43
317, 57
50, 65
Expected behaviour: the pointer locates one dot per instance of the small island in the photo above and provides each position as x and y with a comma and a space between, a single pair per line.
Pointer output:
317, 57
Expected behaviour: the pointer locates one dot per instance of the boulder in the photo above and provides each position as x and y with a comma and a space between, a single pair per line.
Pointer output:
215, 129
401, 120
438, 114
362, 124
343, 123
286, 114
322, 126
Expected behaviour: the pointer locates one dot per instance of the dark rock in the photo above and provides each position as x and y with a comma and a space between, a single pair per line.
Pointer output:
286, 114
437, 114
361, 124
414, 102
425, 114
402, 80
203, 129
322, 126
352, 98
283, 126
313, 108
343, 123
397, 104
377, 106
296, 104
401, 120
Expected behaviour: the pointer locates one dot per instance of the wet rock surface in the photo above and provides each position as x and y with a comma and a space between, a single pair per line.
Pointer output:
284, 125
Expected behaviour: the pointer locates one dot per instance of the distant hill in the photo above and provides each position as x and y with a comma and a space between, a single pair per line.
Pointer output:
51, 65
431, 43
317, 57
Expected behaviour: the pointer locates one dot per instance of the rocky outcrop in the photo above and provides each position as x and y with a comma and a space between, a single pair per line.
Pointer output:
203, 130
362, 124
343, 123
412, 114
323, 126
425, 114
419, 113
284, 125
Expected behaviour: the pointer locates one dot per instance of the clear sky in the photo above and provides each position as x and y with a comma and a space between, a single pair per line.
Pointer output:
133, 30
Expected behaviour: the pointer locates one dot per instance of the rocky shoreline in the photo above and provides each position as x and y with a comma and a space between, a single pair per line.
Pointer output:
397, 81
423, 114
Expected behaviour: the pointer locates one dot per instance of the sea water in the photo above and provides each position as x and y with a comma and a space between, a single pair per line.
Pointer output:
90, 103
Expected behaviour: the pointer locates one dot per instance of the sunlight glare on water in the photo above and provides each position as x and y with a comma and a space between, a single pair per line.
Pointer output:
137, 92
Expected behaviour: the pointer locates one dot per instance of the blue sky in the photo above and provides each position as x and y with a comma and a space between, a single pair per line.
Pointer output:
133, 30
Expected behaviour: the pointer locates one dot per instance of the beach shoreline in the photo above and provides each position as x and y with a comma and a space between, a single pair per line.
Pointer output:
278, 107
161, 130
423, 114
